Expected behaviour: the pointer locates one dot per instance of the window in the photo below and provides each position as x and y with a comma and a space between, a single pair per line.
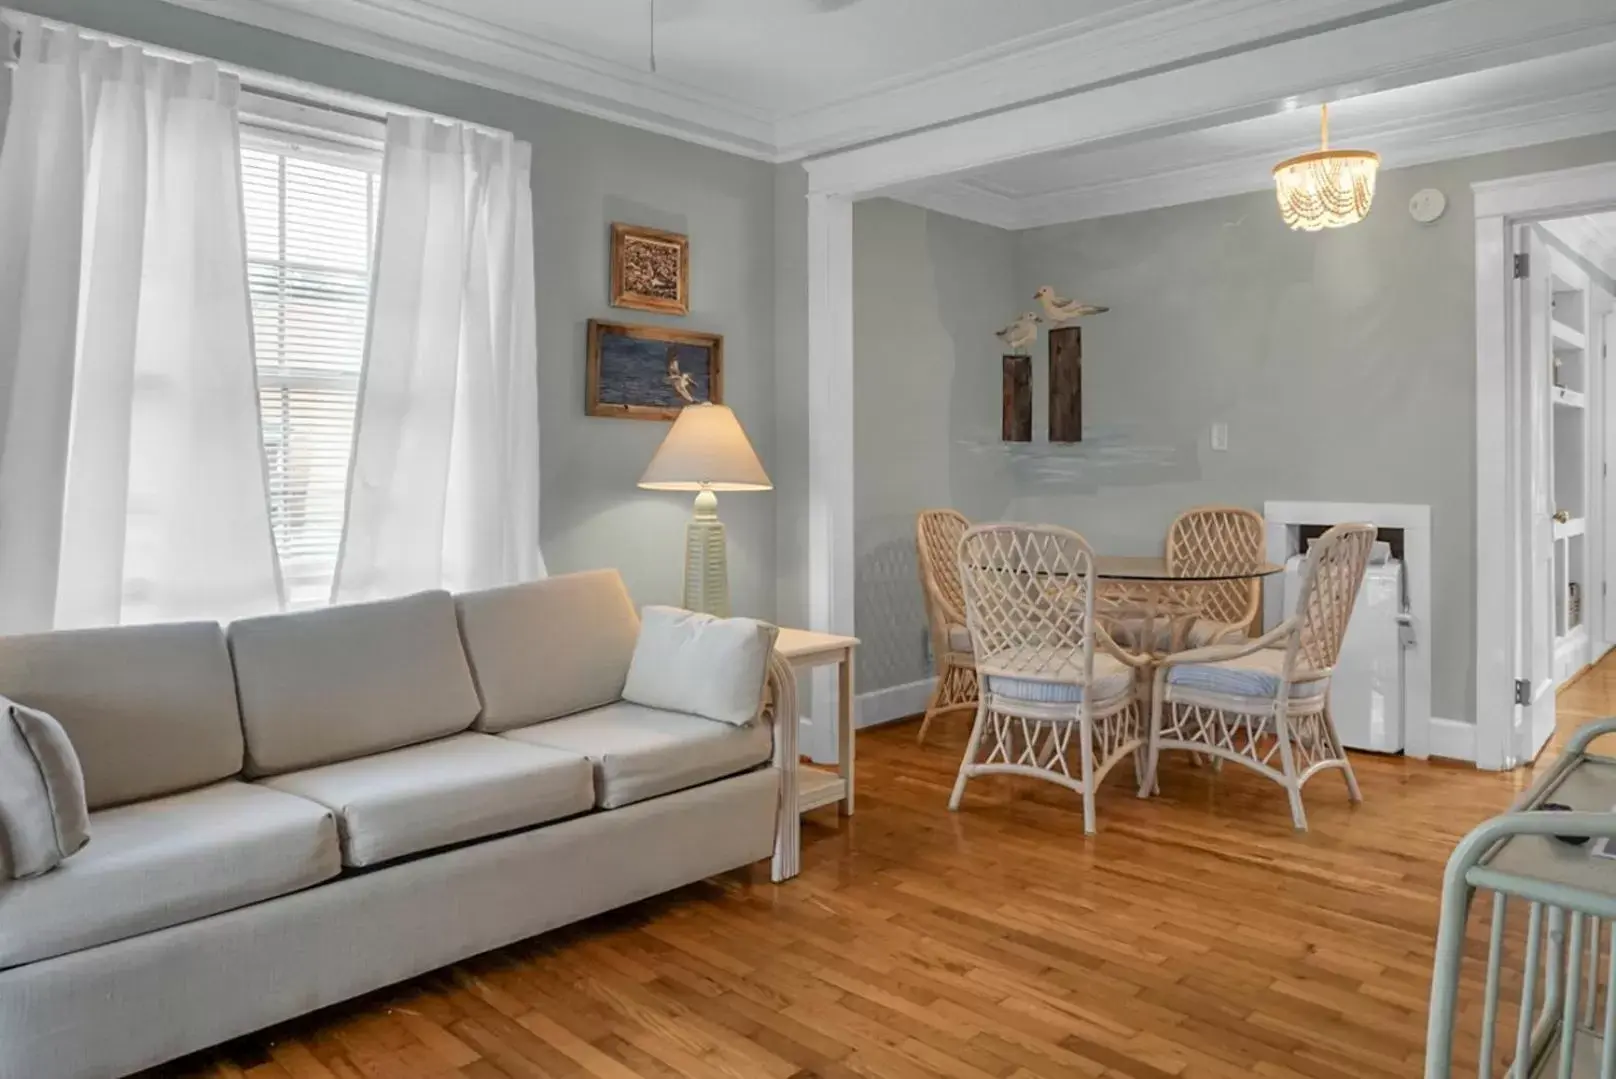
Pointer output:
310, 214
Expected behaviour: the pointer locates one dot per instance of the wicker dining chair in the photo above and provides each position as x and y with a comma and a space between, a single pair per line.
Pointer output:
1054, 685
937, 536
1206, 536
1265, 703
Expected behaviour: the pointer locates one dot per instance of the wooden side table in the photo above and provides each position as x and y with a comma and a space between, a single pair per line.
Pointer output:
805, 650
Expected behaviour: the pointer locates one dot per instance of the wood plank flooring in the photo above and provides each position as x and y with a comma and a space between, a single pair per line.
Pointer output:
1196, 936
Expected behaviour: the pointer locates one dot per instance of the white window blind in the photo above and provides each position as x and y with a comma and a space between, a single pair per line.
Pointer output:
310, 215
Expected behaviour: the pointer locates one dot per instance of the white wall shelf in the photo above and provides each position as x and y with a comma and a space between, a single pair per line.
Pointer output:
1570, 462
1565, 337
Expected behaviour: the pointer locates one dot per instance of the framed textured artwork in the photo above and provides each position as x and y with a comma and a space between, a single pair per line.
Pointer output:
651, 372
650, 270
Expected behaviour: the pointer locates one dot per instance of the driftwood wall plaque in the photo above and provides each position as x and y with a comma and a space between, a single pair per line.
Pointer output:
1017, 424
1066, 384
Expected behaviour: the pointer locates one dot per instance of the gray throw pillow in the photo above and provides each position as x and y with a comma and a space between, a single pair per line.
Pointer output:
44, 818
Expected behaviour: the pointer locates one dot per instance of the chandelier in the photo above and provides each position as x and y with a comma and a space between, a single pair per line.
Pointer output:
1327, 188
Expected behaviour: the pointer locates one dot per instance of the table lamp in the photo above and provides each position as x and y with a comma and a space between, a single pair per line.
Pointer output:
706, 452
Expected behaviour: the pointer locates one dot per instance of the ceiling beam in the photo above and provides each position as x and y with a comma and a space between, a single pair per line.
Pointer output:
1410, 46
1115, 43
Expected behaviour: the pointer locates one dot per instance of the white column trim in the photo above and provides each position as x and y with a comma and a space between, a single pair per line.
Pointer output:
830, 449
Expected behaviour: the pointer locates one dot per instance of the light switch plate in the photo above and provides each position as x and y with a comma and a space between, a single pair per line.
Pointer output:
1220, 436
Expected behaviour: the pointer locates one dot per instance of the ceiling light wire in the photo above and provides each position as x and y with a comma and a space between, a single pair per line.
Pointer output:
650, 9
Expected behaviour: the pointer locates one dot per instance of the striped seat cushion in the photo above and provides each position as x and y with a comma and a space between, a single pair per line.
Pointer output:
1256, 675
1058, 678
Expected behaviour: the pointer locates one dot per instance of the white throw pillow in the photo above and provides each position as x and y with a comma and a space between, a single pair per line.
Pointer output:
43, 815
705, 666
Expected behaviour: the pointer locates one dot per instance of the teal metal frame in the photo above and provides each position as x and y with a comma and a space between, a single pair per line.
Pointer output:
1564, 923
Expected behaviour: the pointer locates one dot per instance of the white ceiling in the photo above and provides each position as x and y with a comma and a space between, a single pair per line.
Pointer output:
783, 57
1593, 236
1086, 107
785, 79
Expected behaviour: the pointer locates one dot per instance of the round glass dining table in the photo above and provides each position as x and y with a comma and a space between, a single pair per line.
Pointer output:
1144, 568
1152, 593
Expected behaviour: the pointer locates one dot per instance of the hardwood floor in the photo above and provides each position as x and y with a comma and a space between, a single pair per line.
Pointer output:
1196, 935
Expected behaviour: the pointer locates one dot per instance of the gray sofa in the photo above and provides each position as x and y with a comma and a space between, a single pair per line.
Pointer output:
302, 808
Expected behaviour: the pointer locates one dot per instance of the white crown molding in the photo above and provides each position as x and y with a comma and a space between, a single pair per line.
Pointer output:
962, 198
1460, 133
1437, 41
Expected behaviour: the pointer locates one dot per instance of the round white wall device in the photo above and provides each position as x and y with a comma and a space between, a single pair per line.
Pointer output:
1427, 205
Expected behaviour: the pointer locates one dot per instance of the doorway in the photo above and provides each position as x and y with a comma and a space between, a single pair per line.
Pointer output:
1544, 298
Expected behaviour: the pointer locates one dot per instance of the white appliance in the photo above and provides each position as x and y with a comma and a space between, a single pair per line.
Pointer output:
1367, 689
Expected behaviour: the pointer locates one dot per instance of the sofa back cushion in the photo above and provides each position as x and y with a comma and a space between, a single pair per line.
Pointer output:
345, 682
548, 648
150, 710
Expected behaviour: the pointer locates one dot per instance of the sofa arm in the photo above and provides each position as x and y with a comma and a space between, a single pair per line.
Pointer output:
780, 712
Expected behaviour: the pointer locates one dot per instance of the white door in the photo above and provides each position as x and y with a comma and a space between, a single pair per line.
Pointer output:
1534, 509
1602, 476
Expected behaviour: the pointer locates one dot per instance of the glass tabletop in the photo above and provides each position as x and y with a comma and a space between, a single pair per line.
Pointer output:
1140, 568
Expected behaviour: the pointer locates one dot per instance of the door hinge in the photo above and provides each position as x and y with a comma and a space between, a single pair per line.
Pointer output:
1523, 265
1523, 691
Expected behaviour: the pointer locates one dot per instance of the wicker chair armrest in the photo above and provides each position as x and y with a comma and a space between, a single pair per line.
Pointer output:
1112, 648
1217, 653
1220, 629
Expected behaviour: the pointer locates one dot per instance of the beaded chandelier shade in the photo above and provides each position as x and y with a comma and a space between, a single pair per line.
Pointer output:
1327, 188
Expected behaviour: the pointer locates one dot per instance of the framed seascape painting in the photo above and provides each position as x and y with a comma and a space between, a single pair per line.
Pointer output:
651, 372
650, 269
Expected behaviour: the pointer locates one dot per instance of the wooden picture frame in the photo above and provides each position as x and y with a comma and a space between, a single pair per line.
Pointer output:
650, 269
631, 370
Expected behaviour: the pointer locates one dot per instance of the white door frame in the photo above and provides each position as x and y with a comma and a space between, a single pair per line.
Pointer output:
1499, 206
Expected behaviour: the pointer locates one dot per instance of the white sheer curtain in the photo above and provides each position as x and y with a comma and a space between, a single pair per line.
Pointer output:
131, 466
444, 484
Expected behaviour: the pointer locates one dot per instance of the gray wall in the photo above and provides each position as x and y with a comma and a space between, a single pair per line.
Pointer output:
1343, 363
587, 174
929, 292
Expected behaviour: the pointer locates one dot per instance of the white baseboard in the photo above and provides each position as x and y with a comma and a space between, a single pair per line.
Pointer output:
1452, 739
893, 703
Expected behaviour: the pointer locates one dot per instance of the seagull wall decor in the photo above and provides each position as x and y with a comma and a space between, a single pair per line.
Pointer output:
1059, 309
1020, 333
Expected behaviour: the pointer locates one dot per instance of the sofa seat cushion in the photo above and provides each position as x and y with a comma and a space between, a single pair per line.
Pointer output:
168, 861
641, 753
343, 682
441, 793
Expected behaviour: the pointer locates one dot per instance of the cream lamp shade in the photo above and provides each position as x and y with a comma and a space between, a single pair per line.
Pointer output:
706, 449
706, 452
